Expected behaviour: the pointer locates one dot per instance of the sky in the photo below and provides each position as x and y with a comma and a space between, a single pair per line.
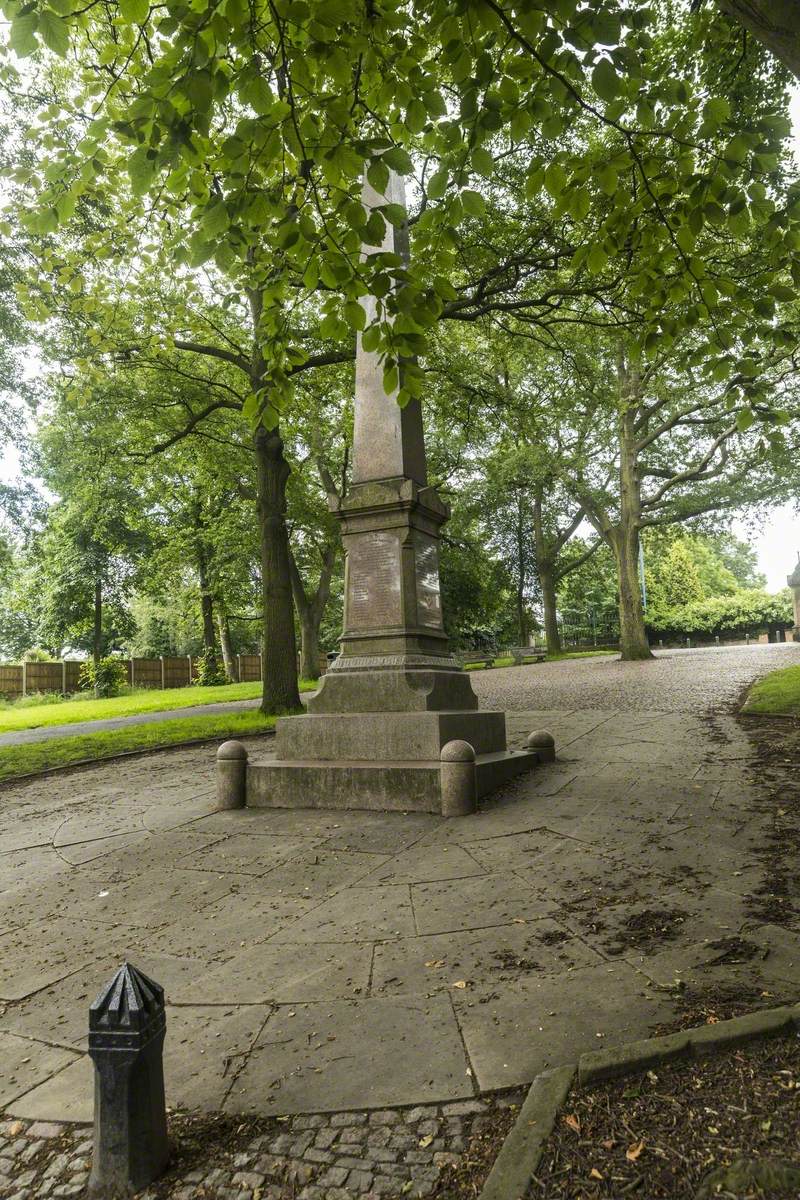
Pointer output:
776, 538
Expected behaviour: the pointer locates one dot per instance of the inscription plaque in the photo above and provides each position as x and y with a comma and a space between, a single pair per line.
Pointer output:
429, 600
373, 581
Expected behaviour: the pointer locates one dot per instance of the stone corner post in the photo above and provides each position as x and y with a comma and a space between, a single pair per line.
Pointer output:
543, 743
127, 1024
793, 581
459, 779
231, 775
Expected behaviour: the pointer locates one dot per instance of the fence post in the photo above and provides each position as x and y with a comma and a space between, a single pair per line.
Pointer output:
163, 684
688, 643
24, 678
132, 679
189, 660
260, 666
238, 668
747, 639
127, 1023
63, 677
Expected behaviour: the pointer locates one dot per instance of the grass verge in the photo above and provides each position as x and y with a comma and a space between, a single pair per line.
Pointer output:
66, 751
143, 700
776, 695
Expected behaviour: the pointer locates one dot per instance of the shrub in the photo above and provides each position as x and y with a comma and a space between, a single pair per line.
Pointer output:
104, 678
209, 672
747, 610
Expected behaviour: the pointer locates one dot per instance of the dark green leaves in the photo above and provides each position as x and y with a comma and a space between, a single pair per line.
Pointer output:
605, 80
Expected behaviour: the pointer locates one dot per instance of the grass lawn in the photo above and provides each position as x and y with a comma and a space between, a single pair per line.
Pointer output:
140, 700
63, 751
777, 694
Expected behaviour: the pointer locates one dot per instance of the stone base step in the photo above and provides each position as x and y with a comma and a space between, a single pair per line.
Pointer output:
375, 786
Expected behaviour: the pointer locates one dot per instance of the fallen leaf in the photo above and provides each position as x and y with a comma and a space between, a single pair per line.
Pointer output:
573, 1122
435, 962
608, 1144
518, 921
460, 983
426, 1141
633, 1152
595, 1174
712, 1020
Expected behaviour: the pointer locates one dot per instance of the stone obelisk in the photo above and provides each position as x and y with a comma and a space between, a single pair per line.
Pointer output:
395, 723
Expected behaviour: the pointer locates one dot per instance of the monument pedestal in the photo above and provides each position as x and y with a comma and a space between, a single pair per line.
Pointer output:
390, 761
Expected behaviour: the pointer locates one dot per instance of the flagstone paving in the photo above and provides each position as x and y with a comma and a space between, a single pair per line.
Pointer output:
320, 962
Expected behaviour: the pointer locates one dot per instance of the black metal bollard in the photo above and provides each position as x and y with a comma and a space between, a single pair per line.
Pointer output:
127, 1024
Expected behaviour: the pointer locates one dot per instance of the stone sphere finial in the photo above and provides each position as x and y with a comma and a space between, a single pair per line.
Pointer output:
232, 749
543, 743
457, 751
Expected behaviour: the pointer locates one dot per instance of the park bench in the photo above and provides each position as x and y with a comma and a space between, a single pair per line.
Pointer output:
474, 659
523, 654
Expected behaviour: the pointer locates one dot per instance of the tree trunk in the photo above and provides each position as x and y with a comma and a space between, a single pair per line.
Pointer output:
522, 616
228, 656
548, 586
309, 649
625, 536
207, 609
312, 611
280, 692
632, 634
774, 23
97, 632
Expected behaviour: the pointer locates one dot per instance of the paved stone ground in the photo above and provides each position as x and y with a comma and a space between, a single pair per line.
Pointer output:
335, 962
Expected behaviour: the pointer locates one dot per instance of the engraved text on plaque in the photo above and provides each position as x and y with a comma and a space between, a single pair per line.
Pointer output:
373, 581
429, 601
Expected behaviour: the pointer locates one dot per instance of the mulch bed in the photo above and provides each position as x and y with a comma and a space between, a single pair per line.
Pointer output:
726, 1127
776, 741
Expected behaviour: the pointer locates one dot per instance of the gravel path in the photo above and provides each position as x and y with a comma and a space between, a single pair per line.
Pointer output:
688, 681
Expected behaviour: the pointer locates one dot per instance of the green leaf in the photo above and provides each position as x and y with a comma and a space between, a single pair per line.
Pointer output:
354, 315
744, 419
473, 202
416, 116
391, 380
141, 168
482, 161
437, 185
215, 220
22, 38
395, 214
555, 179
607, 180
605, 80
596, 259
54, 32
135, 12
370, 339
378, 175
399, 160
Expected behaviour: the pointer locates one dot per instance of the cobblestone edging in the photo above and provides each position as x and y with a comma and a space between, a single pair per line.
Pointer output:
385, 1154
519, 1155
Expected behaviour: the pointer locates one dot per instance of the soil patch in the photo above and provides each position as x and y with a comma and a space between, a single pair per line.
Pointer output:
727, 1127
776, 744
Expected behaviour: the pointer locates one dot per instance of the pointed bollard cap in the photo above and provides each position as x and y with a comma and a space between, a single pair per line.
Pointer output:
130, 1003
127, 1023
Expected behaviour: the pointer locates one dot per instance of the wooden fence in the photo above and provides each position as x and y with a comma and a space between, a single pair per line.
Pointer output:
21, 679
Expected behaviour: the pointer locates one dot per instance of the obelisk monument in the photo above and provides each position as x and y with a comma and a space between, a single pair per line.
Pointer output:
395, 723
